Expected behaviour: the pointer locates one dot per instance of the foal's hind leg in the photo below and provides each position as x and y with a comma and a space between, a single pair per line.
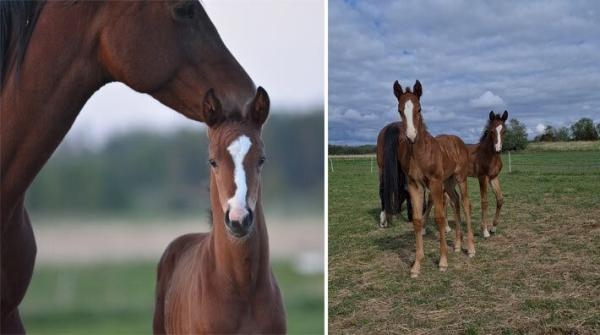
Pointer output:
484, 205
455, 201
17, 259
464, 194
495, 183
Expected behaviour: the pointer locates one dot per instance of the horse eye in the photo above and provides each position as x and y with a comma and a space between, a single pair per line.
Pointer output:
262, 161
212, 163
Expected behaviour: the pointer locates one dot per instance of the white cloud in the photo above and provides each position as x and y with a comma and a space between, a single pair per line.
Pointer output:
540, 128
487, 100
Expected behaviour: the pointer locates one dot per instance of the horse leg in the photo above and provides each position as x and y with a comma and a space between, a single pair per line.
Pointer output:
446, 198
484, 205
495, 183
428, 207
437, 193
416, 197
383, 217
455, 201
464, 195
17, 257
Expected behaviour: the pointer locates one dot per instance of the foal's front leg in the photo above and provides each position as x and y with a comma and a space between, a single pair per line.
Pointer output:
495, 183
415, 191
437, 194
483, 180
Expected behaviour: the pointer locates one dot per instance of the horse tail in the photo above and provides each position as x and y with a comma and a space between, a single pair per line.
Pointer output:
392, 175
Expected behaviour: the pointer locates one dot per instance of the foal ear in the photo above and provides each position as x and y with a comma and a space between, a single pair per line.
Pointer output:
397, 90
259, 109
211, 109
504, 116
492, 116
418, 89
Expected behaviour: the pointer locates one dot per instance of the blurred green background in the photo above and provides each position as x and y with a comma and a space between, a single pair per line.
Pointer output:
140, 181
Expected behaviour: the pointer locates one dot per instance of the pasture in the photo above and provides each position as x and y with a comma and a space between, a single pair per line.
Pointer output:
540, 273
118, 298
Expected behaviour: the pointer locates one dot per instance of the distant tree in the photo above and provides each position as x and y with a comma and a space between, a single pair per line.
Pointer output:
549, 135
583, 130
515, 137
563, 135
598, 129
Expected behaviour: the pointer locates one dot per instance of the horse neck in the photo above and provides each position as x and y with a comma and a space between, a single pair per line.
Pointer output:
41, 102
486, 146
244, 263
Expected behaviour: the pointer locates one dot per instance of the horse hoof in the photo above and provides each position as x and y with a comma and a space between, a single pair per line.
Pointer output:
448, 229
383, 225
414, 274
471, 254
443, 268
423, 231
486, 233
493, 230
457, 249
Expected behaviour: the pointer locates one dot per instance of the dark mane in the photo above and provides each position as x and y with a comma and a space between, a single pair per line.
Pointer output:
486, 129
17, 20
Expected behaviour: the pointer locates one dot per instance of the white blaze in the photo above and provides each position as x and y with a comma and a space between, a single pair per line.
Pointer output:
237, 205
498, 144
411, 132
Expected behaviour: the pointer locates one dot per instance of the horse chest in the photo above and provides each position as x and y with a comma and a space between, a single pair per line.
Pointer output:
231, 314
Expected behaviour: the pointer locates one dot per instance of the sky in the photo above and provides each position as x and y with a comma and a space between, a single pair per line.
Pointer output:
540, 60
280, 43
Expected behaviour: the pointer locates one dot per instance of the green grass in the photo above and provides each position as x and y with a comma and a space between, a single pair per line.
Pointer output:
539, 274
119, 299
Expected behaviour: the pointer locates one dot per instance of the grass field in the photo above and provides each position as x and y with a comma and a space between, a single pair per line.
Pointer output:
118, 299
540, 274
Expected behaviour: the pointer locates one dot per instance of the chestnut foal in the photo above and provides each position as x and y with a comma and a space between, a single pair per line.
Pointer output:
221, 281
486, 165
428, 163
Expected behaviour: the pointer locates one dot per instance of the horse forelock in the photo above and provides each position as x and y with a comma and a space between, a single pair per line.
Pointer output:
17, 21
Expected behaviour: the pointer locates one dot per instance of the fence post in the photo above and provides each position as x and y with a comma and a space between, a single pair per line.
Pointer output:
331, 164
509, 163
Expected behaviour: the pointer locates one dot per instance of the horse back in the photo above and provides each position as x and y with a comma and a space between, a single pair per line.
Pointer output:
455, 153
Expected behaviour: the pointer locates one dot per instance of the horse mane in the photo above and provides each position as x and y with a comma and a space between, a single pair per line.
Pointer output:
486, 129
17, 21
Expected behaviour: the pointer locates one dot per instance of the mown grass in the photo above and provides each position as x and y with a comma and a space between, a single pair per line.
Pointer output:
539, 274
119, 299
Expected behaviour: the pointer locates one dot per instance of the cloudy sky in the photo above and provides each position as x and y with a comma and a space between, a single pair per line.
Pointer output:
280, 43
540, 60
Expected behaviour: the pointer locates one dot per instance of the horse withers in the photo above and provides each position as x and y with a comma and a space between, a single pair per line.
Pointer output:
428, 163
221, 281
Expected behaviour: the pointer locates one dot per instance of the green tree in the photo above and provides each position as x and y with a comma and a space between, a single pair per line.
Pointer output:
583, 130
515, 137
563, 135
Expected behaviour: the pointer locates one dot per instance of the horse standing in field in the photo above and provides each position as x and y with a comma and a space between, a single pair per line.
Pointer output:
428, 162
221, 282
55, 55
392, 181
486, 164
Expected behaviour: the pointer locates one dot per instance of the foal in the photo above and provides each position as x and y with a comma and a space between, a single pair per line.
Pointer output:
486, 164
428, 163
221, 281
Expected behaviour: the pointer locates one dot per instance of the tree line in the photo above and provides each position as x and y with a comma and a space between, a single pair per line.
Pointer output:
143, 172
515, 137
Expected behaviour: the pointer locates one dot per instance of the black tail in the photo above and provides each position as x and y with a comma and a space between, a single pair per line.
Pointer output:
392, 177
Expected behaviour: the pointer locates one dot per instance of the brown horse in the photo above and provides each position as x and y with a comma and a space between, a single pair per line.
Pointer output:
55, 55
428, 163
486, 165
221, 282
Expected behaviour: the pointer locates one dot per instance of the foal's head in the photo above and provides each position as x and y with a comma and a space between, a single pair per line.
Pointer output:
236, 157
409, 107
496, 128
